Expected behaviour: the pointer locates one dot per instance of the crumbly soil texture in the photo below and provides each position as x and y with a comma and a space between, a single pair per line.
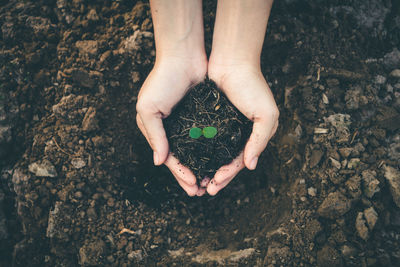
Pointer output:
206, 106
78, 186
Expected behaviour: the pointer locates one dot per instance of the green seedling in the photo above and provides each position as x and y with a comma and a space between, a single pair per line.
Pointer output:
195, 133
209, 132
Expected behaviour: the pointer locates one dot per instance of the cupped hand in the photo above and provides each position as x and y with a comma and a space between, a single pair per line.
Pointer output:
246, 88
165, 86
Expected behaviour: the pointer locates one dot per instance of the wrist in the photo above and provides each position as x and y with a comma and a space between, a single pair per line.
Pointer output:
192, 67
220, 70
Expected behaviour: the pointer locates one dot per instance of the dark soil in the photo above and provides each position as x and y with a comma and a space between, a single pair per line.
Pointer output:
78, 186
204, 106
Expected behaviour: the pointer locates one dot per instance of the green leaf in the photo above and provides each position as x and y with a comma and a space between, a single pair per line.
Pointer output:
209, 132
195, 132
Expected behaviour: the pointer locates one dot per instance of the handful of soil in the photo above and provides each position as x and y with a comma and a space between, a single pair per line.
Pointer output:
206, 106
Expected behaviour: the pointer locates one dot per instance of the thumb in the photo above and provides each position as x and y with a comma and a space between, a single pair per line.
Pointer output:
152, 128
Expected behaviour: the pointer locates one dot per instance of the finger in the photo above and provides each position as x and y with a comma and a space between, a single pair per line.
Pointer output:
191, 190
213, 188
140, 124
156, 137
230, 170
201, 192
204, 182
181, 172
141, 127
262, 132
274, 129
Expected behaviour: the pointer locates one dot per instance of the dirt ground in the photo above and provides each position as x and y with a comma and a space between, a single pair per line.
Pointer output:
78, 187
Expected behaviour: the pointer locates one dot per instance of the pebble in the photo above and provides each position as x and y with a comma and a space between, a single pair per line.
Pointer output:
87, 47
392, 59
43, 168
78, 163
371, 184
345, 151
361, 227
392, 175
353, 186
335, 163
334, 206
395, 73
89, 122
136, 255
312, 191
353, 163
328, 256
78, 194
316, 157
110, 202
379, 79
371, 216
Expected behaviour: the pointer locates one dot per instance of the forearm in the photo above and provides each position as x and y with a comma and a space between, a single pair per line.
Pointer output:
178, 28
239, 31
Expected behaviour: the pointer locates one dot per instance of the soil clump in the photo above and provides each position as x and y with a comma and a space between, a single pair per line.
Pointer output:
206, 106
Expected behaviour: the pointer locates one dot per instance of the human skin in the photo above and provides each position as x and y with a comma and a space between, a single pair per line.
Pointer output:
234, 65
181, 62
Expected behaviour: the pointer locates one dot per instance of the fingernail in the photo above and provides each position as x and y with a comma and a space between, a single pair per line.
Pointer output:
155, 158
253, 163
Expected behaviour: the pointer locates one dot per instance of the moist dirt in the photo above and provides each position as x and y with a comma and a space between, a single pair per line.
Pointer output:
206, 106
78, 187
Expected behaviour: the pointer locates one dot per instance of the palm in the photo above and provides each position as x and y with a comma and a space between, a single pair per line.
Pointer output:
250, 93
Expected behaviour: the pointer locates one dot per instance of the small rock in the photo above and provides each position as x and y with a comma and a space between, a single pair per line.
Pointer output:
43, 168
315, 157
223, 256
135, 76
277, 251
52, 221
5, 134
345, 151
353, 186
136, 255
392, 175
83, 78
370, 183
92, 15
392, 59
105, 56
371, 216
134, 42
91, 253
78, 194
335, 163
352, 97
87, 47
361, 227
312, 191
78, 163
328, 257
348, 251
90, 122
353, 163
379, 79
395, 73
334, 206
110, 202
339, 120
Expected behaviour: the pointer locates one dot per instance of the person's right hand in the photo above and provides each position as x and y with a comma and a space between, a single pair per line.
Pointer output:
247, 89
165, 86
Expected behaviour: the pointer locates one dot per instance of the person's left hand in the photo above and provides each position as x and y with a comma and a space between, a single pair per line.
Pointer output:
246, 88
